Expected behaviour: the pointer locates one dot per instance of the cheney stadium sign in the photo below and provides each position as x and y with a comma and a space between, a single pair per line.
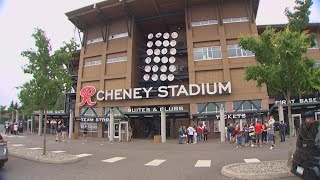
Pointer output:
88, 92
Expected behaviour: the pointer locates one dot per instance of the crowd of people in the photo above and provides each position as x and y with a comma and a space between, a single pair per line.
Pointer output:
192, 134
255, 134
13, 128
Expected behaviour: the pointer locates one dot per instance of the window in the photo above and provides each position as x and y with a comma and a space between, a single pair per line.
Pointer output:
91, 41
117, 36
235, 20
317, 64
206, 53
316, 45
211, 107
247, 105
117, 59
237, 51
92, 127
92, 63
88, 111
117, 112
204, 23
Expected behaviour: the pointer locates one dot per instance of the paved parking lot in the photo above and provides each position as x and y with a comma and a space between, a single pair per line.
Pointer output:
138, 159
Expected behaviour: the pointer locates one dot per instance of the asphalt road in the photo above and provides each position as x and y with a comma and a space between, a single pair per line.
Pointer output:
179, 160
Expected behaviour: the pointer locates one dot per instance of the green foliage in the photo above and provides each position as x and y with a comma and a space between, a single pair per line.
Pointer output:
299, 19
50, 75
2, 110
279, 61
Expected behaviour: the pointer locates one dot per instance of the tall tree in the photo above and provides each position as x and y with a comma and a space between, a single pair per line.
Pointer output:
11, 110
50, 76
281, 62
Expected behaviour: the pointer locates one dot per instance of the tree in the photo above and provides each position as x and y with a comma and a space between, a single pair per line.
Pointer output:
11, 110
50, 76
281, 62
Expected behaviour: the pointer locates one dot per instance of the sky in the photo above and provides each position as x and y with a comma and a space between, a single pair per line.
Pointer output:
19, 18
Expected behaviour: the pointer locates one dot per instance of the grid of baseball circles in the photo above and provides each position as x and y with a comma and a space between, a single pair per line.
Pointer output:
159, 63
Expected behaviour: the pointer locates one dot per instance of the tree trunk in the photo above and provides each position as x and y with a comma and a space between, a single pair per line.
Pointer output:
291, 128
45, 133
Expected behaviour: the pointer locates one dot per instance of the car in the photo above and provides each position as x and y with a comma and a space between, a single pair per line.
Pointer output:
306, 158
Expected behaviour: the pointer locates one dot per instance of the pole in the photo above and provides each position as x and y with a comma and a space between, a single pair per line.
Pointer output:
70, 124
40, 122
163, 126
17, 116
281, 115
222, 124
111, 127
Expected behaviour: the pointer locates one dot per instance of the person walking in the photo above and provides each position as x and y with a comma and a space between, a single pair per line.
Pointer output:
64, 132
282, 129
180, 134
199, 132
246, 135
258, 133
190, 131
58, 134
238, 135
264, 132
205, 133
271, 131
85, 133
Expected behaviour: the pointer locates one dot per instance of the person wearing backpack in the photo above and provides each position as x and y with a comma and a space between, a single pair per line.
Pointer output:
58, 135
205, 134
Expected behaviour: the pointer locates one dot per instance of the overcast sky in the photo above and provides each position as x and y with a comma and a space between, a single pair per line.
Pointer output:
18, 18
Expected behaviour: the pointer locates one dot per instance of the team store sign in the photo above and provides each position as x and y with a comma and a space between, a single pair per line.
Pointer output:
88, 92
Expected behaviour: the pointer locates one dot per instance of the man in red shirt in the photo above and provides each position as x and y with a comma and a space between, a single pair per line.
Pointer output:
258, 132
199, 133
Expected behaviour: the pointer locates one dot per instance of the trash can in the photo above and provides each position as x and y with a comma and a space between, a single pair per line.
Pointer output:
75, 135
157, 138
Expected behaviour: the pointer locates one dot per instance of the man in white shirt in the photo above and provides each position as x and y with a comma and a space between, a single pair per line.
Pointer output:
190, 131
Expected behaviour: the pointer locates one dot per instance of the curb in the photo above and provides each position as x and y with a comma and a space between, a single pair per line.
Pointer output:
44, 160
228, 173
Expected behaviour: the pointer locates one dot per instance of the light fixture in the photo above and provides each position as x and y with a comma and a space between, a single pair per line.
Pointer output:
166, 35
146, 77
158, 43
163, 68
149, 52
173, 43
164, 59
165, 43
157, 52
147, 60
156, 59
154, 77
150, 36
172, 59
174, 35
163, 77
155, 68
170, 77
150, 44
173, 51
147, 68
172, 68
164, 51
158, 35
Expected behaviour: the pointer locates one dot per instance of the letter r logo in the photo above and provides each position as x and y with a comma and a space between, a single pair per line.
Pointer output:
86, 93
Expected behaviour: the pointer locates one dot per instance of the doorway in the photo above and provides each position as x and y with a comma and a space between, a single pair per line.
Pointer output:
297, 120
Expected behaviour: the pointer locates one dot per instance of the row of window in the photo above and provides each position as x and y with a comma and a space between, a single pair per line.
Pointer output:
115, 36
213, 21
109, 60
92, 63
237, 105
214, 52
212, 107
